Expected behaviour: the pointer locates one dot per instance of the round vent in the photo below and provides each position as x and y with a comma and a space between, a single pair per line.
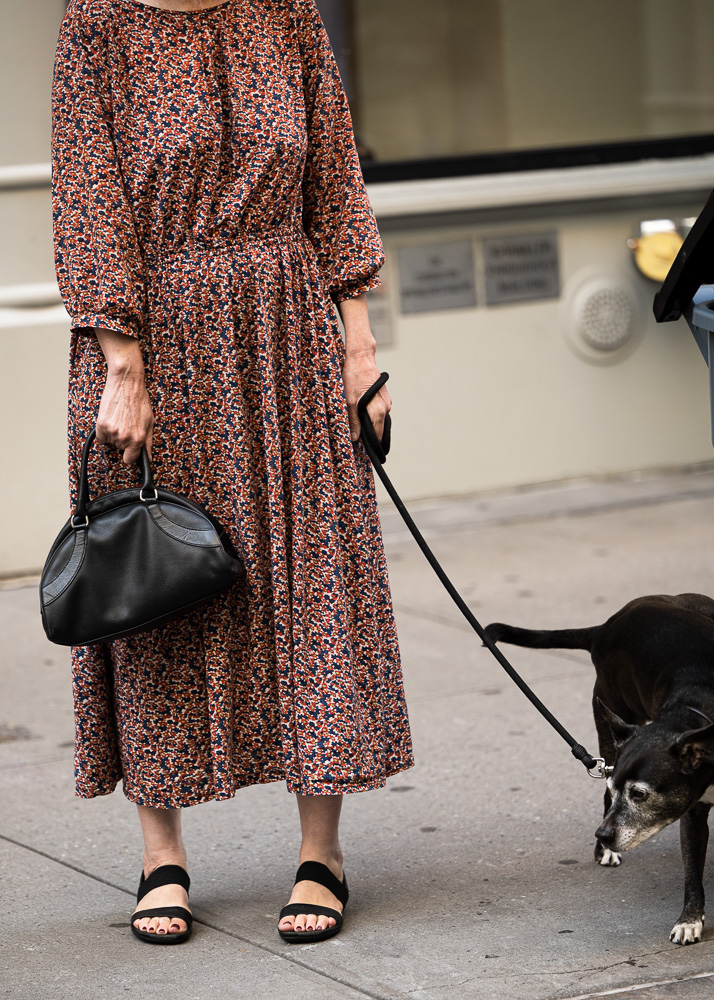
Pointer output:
601, 317
607, 319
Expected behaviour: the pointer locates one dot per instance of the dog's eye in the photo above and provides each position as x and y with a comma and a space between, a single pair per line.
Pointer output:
638, 794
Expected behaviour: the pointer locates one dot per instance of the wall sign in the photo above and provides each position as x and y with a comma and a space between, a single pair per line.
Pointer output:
521, 268
437, 276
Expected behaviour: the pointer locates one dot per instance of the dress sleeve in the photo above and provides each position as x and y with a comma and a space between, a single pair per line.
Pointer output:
97, 259
337, 215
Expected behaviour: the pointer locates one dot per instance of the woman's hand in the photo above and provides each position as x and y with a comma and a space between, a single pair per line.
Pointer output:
359, 374
360, 371
125, 418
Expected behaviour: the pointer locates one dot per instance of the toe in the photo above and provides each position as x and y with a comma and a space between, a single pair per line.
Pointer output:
160, 925
323, 922
310, 921
162, 896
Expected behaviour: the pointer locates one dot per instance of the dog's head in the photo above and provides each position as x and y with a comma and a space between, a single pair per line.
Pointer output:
658, 776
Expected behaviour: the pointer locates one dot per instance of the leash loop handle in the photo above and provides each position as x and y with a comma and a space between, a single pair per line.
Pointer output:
379, 446
377, 452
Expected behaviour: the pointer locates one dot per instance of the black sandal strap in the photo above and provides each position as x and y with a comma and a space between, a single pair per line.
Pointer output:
165, 911
315, 871
163, 875
293, 909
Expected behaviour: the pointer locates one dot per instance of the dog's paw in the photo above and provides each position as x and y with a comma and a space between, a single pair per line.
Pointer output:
610, 859
688, 933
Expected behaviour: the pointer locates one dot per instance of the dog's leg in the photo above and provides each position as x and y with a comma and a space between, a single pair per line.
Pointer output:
693, 835
603, 855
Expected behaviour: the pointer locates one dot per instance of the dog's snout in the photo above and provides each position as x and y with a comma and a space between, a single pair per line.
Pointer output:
605, 834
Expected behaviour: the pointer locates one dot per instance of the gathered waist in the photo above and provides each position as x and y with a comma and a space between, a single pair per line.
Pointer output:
238, 239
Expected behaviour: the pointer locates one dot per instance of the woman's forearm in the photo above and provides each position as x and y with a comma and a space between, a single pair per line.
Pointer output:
355, 319
122, 353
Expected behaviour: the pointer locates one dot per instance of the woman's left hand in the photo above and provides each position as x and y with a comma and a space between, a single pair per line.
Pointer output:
359, 374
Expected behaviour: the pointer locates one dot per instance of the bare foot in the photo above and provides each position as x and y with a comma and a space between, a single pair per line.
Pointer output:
164, 895
316, 896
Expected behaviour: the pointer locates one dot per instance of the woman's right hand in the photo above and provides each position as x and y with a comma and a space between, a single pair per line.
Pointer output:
126, 418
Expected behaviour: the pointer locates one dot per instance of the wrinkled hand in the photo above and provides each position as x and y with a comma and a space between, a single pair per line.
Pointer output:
126, 419
359, 373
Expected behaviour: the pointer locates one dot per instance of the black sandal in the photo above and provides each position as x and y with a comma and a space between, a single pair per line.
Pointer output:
163, 875
315, 871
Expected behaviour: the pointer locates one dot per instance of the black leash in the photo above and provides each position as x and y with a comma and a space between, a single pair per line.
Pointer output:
377, 450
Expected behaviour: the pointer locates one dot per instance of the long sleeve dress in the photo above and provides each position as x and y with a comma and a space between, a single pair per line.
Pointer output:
208, 201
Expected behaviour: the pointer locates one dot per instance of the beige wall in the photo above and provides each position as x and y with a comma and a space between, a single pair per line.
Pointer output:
27, 43
33, 503
488, 398
33, 357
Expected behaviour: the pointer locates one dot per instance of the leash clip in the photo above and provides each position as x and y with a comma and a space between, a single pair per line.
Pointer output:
601, 769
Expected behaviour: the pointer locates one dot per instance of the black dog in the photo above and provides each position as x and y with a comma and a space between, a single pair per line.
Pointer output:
653, 704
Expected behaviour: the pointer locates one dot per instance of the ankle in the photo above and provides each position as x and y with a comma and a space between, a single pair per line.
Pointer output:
329, 854
157, 859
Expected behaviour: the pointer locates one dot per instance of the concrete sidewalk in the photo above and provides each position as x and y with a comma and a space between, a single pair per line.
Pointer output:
471, 875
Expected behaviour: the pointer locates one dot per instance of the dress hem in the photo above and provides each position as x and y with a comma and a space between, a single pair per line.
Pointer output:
91, 791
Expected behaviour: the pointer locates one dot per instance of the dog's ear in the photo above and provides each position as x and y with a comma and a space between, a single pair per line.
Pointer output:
695, 748
621, 730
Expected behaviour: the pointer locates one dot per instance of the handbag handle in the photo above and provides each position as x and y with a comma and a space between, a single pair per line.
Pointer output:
80, 519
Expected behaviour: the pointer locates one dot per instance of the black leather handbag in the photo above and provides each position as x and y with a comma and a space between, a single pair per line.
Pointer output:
131, 560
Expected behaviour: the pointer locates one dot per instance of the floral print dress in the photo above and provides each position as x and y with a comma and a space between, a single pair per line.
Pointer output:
208, 200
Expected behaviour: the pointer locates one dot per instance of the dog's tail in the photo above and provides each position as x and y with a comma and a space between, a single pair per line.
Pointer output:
566, 638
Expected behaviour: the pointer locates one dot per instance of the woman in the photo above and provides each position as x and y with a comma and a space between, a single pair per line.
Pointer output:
208, 204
